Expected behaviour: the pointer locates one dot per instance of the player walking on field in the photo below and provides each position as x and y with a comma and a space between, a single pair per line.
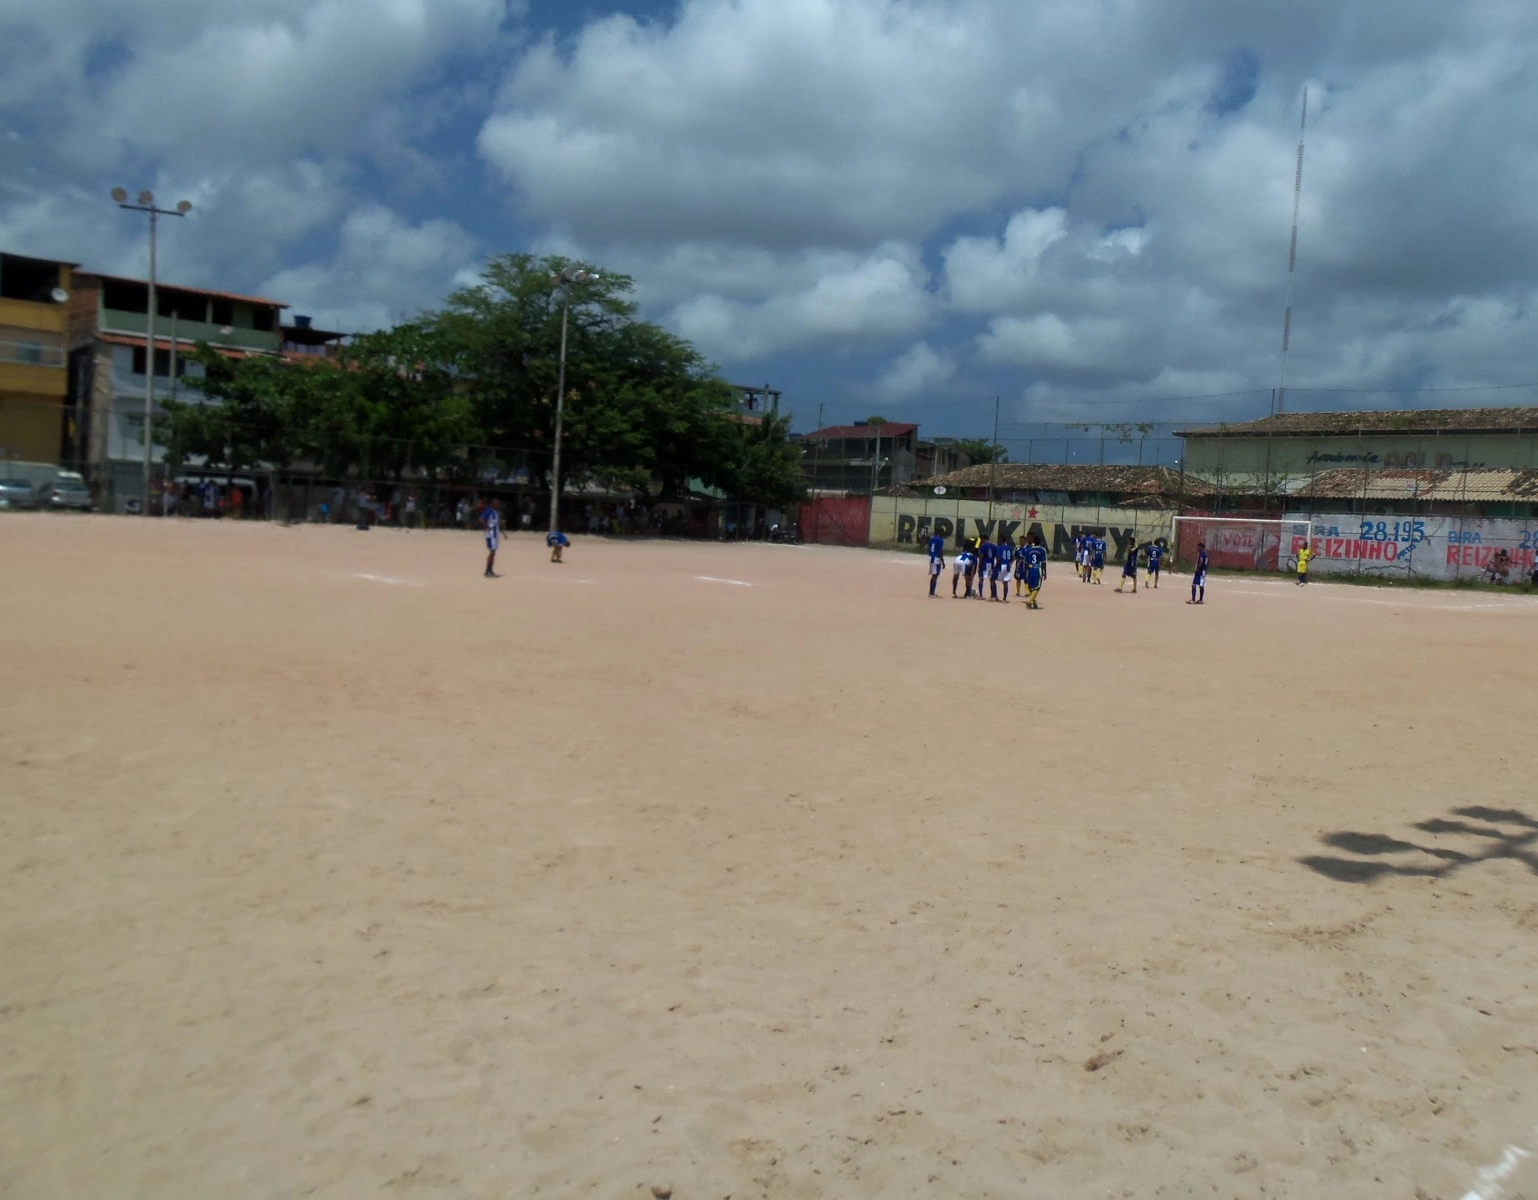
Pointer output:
1199, 576
1129, 567
1155, 551
491, 521
1097, 558
1020, 565
936, 561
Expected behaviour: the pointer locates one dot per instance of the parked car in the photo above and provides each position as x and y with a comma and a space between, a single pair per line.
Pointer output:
15, 493
65, 492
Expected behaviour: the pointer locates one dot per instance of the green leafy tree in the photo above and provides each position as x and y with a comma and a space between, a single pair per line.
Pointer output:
981, 450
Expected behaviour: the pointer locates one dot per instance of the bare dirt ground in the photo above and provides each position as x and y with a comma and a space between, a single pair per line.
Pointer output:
332, 868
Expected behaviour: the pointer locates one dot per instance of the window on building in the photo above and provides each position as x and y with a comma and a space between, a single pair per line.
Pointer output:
180, 305
221, 312
125, 297
162, 363
263, 320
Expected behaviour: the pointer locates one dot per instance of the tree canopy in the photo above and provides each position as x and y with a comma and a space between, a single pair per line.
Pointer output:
467, 392
981, 450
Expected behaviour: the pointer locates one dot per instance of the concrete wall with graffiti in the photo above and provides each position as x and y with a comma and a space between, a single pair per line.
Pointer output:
1423, 547
908, 523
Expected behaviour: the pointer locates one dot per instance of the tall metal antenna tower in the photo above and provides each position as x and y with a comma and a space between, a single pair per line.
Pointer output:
1292, 260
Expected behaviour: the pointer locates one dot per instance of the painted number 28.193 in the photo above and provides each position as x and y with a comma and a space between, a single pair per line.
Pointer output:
1393, 531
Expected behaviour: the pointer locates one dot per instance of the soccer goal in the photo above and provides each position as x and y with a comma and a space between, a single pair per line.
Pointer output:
1242, 543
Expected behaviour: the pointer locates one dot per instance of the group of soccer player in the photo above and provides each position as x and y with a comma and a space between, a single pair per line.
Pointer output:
994, 563
1089, 550
998, 562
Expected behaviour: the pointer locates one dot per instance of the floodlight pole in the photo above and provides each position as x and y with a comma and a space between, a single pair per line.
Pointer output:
560, 406
563, 280
147, 206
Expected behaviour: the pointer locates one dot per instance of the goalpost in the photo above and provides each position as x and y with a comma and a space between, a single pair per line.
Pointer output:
1241, 543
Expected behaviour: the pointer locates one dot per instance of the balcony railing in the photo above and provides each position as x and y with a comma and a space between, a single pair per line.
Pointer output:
33, 354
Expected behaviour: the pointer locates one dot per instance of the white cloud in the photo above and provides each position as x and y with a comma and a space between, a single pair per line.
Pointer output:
841, 298
385, 270
229, 83
919, 369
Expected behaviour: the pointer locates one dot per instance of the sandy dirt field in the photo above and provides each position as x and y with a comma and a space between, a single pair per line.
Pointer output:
332, 868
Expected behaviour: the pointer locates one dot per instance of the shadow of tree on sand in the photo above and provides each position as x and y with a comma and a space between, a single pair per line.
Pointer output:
1497, 833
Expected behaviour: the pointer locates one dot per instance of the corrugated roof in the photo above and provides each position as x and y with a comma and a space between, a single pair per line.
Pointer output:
890, 429
1413, 420
1072, 477
1476, 484
177, 287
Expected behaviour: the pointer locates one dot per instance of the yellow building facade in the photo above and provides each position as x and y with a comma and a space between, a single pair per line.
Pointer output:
34, 357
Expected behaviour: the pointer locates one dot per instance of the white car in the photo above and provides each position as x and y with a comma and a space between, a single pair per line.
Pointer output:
65, 493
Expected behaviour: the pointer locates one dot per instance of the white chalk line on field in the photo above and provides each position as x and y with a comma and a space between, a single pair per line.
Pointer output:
390, 579
1492, 1179
717, 579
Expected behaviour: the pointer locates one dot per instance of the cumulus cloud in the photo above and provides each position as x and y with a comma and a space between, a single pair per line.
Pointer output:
385, 269
843, 299
919, 369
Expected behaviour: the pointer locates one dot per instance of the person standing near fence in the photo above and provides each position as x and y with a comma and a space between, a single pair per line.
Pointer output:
1304, 555
1097, 558
491, 519
936, 561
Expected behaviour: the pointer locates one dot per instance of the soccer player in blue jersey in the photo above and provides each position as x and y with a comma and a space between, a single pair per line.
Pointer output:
936, 561
985, 553
491, 521
1129, 567
1035, 556
1097, 557
1199, 576
1003, 563
1156, 549
1020, 564
557, 541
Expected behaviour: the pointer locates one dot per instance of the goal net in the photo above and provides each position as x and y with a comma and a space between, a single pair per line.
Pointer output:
1241, 543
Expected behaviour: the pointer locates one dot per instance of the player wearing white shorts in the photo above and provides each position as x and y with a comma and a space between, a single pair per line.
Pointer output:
491, 520
963, 566
936, 561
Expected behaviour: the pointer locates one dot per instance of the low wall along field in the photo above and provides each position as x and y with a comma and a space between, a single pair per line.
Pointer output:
1416, 547
910, 522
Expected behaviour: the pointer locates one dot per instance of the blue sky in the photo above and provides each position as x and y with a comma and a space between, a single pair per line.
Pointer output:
897, 206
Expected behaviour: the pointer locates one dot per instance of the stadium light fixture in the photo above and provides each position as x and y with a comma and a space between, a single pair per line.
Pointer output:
145, 203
